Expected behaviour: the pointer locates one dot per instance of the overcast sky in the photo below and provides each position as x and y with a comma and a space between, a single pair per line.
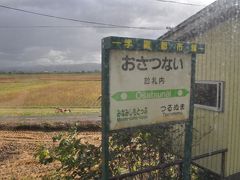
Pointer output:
22, 45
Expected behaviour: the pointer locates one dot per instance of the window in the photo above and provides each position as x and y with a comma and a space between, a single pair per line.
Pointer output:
209, 95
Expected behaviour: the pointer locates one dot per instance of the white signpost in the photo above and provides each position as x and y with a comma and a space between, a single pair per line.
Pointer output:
148, 88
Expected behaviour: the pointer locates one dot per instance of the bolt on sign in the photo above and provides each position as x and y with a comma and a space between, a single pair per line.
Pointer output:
149, 81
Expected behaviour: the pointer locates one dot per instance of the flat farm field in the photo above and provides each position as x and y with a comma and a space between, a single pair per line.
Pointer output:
41, 94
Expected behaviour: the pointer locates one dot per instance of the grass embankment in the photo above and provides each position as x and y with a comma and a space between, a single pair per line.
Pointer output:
40, 94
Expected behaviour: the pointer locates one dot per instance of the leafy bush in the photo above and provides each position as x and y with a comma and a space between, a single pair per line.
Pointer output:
129, 151
78, 160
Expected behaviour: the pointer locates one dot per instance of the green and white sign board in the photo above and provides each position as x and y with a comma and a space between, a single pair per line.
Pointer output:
147, 82
148, 87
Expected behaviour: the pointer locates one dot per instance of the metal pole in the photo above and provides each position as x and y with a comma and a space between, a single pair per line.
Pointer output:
189, 125
105, 113
223, 166
181, 171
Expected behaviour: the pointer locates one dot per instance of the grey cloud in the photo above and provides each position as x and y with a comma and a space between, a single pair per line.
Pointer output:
76, 45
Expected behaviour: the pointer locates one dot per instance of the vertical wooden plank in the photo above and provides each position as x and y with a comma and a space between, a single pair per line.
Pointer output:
213, 116
226, 88
229, 90
237, 48
236, 86
222, 127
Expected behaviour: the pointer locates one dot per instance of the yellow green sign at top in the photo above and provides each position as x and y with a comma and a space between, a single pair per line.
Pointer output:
153, 45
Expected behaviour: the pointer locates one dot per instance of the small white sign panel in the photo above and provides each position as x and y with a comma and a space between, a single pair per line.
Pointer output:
148, 88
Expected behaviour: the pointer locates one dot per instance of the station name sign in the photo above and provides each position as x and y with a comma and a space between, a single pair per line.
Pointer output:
146, 81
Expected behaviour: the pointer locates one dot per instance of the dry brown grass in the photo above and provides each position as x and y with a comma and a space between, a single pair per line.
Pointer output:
47, 90
40, 94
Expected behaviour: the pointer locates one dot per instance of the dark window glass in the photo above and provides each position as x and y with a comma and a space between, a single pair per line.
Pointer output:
206, 94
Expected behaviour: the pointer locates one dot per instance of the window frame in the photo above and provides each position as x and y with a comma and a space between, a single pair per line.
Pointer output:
220, 95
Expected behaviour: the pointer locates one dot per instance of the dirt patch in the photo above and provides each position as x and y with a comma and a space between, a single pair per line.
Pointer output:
51, 123
17, 149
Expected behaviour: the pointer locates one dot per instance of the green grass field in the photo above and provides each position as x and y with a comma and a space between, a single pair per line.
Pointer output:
40, 94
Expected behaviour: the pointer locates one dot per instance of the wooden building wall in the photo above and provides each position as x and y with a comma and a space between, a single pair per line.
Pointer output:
219, 130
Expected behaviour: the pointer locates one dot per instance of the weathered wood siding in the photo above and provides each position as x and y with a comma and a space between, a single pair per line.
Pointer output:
219, 130
221, 62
